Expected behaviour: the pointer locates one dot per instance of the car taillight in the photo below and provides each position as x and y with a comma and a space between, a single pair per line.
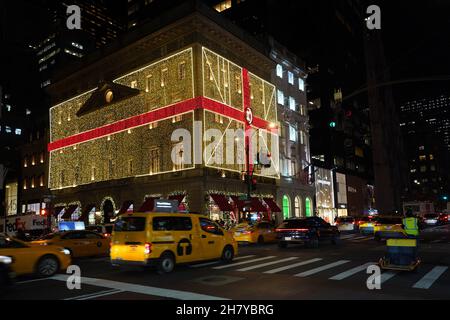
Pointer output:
148, 248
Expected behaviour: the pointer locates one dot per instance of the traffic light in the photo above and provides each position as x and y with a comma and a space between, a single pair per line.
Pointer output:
445, 197
332, 124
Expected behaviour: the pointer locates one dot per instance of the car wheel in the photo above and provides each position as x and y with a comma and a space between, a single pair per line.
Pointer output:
227, 254
47, 266
260, 240
166, 263
282, 244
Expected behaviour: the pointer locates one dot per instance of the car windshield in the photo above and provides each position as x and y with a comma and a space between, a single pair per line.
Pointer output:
294, 224
130, 224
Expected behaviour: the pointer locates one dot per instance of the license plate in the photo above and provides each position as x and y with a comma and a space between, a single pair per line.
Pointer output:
287, 238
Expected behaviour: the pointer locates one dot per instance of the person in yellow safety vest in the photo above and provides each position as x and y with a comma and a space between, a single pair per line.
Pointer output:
411, 224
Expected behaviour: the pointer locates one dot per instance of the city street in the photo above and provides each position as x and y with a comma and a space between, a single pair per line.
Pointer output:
262, 272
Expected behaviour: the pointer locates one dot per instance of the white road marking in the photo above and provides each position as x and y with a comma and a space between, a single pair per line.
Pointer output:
322, 268
147, 290
427, 281
267, 264
291, 266
348, 236
351, 272
217, 262
388, 275
31, 281
243, 262
94, 295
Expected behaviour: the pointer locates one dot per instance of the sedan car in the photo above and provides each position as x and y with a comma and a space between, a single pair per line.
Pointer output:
26, 258
80, 243
345, 223
388, 227
260, 232
431, 219
309, 231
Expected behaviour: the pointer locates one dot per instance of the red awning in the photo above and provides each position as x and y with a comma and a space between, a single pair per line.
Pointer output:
57, 211
222, 202
148, 205
69, 212
272, 205
257, 205
86, 212
239, 204
125, 206
178, 197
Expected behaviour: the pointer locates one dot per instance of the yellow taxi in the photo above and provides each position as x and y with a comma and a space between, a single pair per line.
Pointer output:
44, 261
259, 232
166, 239
388, 227
80, 243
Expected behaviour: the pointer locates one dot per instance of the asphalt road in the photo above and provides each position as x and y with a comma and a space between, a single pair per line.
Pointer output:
261, 273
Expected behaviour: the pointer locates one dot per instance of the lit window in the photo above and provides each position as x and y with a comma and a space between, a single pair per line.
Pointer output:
290, 78
279, 71
24, 184
280, 97
25, 162
292, 133
8, 129
431, 157
421, 148
41, 181
224, 5
33, 160
134, 84
18, 132
292, 103
301, 84
422, 158
42, 158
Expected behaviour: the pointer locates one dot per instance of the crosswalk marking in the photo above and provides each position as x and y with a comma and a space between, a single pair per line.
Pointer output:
291, 266
217, 262
351, 272
427, 281
387, 275
267, 264
243, 262
322, 268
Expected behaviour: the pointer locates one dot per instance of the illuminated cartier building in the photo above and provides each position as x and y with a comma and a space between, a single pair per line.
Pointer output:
111, 145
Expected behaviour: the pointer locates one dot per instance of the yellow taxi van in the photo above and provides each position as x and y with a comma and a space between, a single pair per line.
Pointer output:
164, 239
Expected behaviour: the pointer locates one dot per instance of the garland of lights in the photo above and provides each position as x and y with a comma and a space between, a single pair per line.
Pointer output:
106, 199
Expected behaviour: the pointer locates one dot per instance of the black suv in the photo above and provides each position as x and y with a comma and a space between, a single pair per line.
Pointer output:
308, 231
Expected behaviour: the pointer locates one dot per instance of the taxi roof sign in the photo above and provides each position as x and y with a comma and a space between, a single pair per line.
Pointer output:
169, 206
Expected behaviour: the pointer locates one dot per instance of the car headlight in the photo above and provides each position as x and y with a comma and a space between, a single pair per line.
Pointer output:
66, 252
5, 260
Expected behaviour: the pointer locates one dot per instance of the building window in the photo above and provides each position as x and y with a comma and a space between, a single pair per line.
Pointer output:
298, 206
153, 125
42, 157
25, 182
280, 97
286, 207
422, 158
421, 148
301, 84
302, 137
308, 207
293, 168
182, 71
431, 157
279, 71
218, 118
292, 103
292, 133
155, 160
164, 73
222, 6
149, 83
33, 183
423, 169
33, 160
18, 132
134, 84
41, 181
25, 162
290, 78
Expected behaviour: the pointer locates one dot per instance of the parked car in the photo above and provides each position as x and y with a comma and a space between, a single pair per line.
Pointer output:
345, 223
309, 231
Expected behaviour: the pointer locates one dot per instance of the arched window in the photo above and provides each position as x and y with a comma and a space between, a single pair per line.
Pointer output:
286, 207
308, 207
298, 207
